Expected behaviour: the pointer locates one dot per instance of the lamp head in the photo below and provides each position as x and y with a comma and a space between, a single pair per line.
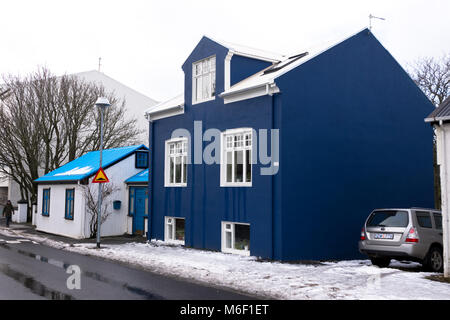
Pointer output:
102, 102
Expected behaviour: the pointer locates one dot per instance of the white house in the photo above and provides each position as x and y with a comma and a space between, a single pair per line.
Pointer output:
440, 119
63, 206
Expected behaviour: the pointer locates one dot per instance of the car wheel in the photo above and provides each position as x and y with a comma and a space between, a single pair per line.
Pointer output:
434, 261
381, 262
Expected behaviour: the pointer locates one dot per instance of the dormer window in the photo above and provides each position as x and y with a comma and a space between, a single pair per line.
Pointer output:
141, 160
204, 80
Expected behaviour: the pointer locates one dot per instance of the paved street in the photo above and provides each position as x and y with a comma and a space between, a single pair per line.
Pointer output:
33, 271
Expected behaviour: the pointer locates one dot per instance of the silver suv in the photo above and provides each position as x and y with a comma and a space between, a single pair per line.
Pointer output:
413, 234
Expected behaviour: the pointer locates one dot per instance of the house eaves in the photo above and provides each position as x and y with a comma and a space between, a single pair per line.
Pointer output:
441, 113
169, 108
257, 90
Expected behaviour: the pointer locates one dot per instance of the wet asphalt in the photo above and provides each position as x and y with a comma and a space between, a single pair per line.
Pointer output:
32, 271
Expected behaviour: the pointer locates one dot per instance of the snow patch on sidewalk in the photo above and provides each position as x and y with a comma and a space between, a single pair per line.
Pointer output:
353, 279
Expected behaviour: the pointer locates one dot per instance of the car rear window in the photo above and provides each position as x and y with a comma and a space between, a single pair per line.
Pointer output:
388, 218
424, 219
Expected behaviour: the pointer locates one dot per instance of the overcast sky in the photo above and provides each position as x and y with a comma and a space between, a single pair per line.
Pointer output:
144, 43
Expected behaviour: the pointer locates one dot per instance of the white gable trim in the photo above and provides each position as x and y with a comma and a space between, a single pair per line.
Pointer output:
169, 108
249, 93
253, 56
165, 113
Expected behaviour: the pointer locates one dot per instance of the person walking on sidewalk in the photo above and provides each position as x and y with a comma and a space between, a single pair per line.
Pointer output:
7, 212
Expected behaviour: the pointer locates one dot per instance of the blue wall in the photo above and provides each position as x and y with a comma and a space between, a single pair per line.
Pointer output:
353, 140
203, 202
243, 67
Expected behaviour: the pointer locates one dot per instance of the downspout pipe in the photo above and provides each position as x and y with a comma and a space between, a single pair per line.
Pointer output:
444, 197
150, 178
272, 180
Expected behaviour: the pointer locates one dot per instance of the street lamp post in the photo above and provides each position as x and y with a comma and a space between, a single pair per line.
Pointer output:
102, 103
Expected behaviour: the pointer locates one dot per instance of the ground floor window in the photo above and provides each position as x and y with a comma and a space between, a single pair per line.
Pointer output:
46, 202
70, 196
174, 230
236, 238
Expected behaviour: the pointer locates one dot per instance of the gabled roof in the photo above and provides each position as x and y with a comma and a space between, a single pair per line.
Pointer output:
440, 113
270, 74
249, 52
88, 164
258, 84
141, 177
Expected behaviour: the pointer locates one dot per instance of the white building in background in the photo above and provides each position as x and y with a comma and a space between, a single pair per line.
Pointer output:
135, 102
440, 119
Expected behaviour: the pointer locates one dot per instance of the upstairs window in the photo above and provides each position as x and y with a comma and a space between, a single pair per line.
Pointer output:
236, 164
204, 80
176, 163
142, 159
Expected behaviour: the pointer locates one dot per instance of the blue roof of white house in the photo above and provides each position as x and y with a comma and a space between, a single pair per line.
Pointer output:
141, 177
88, 164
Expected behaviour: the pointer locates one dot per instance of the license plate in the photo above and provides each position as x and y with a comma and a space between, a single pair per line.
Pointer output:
388, 236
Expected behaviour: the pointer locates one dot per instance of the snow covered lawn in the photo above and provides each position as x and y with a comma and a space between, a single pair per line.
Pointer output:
354, 279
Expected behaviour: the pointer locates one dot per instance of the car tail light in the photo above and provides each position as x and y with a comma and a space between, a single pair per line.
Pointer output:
363, 234
412, 235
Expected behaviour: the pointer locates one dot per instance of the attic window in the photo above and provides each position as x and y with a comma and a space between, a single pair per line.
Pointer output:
142, 159
283, 64
204, 80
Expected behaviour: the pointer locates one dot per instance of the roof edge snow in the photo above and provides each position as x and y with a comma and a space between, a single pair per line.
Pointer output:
168, 108
249, 52
87, 165
264, 78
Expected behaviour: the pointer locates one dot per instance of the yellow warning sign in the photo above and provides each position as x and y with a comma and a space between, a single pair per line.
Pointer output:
100, 177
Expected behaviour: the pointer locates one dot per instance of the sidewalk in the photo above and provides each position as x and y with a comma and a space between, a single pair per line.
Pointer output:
28, 229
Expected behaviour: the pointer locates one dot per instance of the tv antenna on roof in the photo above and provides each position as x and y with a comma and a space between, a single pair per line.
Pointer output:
373, 17
99, 63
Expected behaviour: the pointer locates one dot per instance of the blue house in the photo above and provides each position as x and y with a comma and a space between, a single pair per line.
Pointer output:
283, 157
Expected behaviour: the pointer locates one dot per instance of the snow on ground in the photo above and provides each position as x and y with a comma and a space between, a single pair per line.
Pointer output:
353, 279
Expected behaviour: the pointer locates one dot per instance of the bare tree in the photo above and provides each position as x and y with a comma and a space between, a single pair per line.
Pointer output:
47, 121
3, 94
433, 77
92, 205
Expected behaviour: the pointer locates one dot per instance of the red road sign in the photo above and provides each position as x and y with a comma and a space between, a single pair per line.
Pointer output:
100, 177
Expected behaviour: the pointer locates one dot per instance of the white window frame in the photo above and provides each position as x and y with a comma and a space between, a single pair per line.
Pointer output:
171, 221
244, 143
176, 153
210, 73
231, 230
